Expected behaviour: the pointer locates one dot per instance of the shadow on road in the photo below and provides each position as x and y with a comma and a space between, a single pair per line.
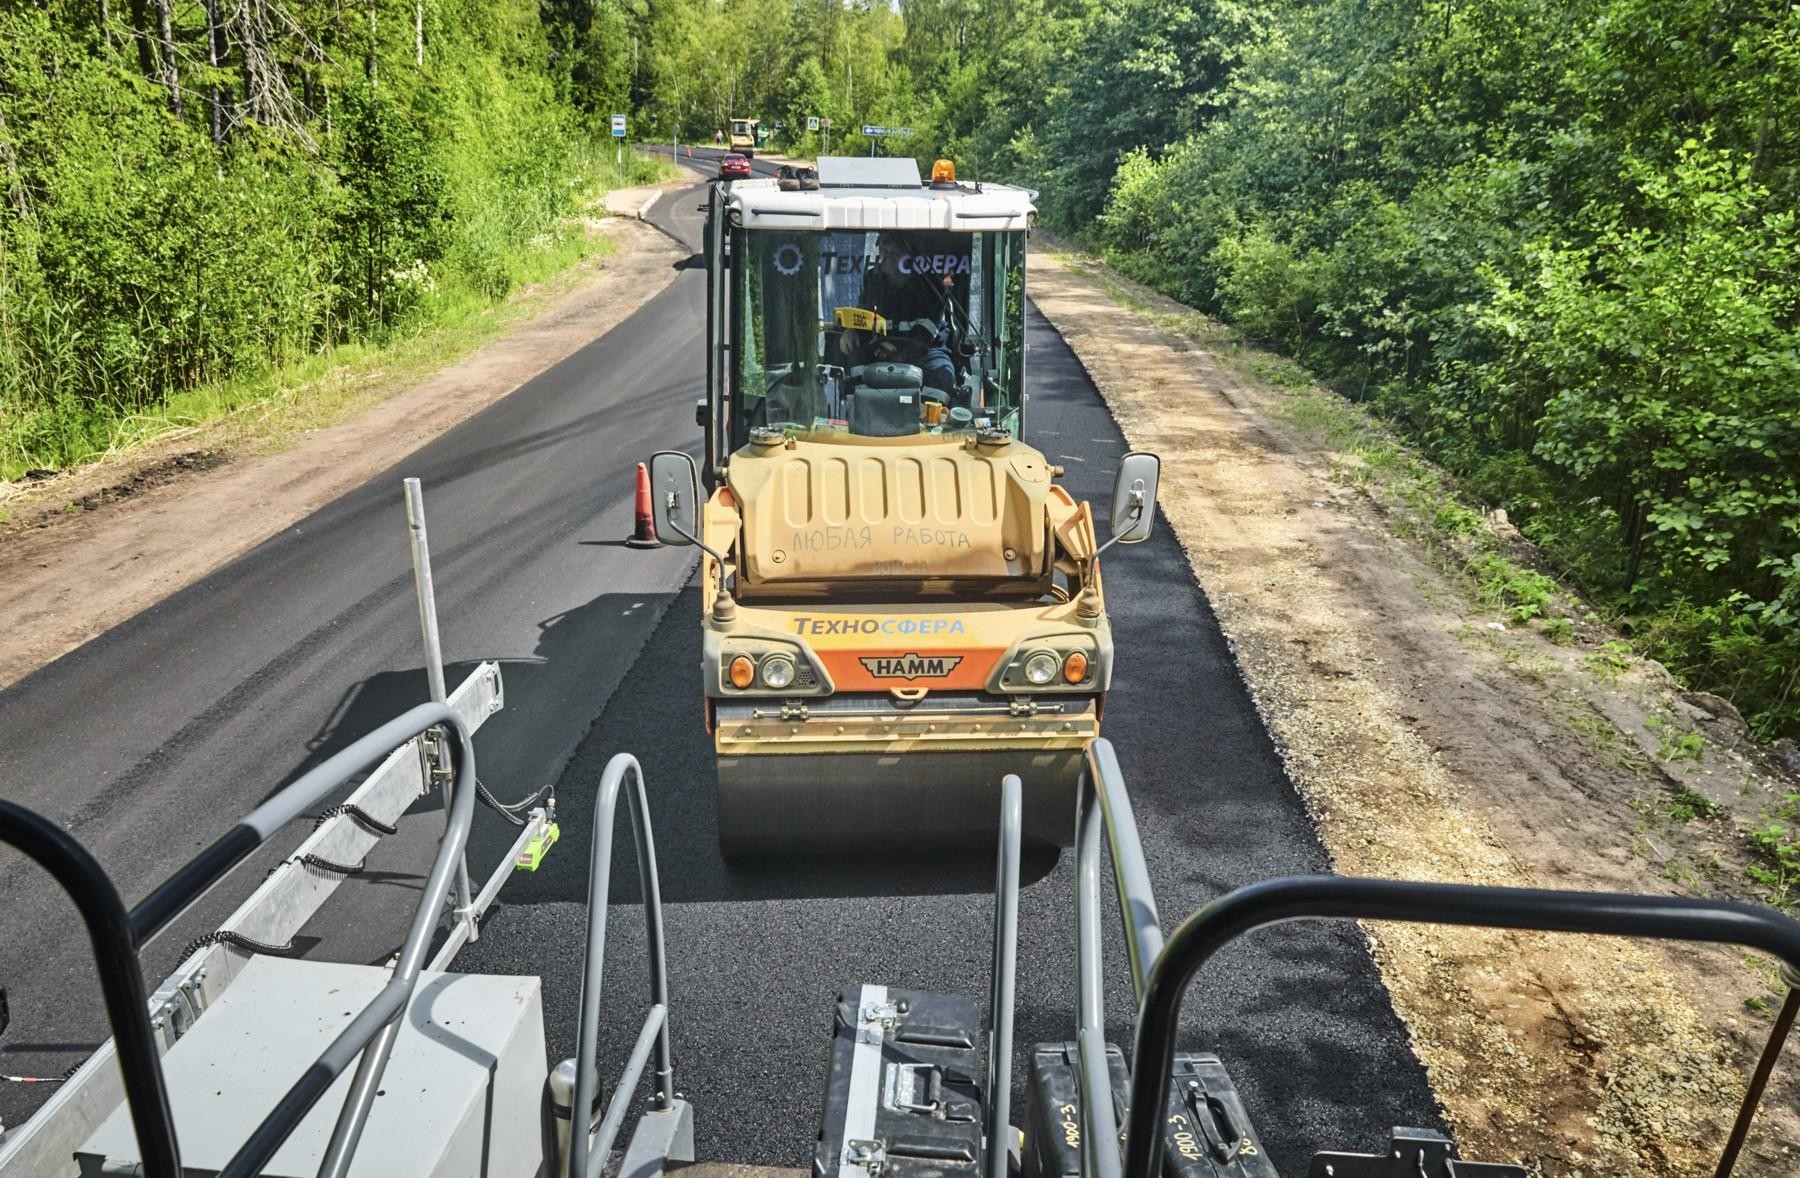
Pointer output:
570, 646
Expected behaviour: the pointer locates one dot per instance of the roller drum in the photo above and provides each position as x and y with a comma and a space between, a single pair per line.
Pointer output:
849, 804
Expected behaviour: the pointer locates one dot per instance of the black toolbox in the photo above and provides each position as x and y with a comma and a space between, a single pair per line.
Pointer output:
904, 1096
1053, 1108
1209, 1134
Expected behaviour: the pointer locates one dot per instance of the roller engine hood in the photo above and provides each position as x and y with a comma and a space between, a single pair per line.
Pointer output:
893, 512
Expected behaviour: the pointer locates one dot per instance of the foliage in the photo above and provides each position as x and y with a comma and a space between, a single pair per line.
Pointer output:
391, 219
1685, 805
169, 224
1554, 243
1776, 844
1523, 593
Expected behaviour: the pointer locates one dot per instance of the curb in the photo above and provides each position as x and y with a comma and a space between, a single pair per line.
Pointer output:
645, 207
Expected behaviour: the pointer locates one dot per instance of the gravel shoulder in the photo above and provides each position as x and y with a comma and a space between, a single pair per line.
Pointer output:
1434, 737
88, 549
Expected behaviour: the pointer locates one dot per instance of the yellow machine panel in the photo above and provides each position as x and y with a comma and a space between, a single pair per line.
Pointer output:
875, 509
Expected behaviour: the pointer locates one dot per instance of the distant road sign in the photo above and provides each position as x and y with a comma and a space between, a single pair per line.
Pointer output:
812, 122
826, 123
876, 131
618, 126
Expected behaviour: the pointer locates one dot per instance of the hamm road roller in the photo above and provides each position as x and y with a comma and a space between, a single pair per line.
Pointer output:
900, 603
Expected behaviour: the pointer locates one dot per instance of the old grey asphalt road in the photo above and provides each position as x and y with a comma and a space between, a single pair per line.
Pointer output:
213, 698
148, 741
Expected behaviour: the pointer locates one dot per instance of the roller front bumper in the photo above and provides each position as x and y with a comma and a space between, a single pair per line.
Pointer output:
851, 772
855, 724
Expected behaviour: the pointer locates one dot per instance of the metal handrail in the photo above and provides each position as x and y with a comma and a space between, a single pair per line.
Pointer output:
1006, 957
585, 1160
118, 935
121, 980
1104, 806
1340, 898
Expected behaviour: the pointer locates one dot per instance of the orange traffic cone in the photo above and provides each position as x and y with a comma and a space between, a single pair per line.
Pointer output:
644, 535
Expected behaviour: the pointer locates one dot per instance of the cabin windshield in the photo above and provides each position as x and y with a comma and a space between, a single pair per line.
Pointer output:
882, 332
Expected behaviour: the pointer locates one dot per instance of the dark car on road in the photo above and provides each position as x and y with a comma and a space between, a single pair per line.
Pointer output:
734, 167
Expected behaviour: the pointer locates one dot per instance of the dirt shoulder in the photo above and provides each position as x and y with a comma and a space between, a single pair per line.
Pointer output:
86, 550
1435, 735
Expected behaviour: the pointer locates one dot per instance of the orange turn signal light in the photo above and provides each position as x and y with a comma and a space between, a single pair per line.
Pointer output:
1075, 667
743, 672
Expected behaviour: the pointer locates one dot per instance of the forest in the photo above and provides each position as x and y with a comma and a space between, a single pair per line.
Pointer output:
194, 193
1554, 244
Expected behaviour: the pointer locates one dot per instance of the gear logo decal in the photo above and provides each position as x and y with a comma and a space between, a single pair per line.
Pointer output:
910, 666
788, 259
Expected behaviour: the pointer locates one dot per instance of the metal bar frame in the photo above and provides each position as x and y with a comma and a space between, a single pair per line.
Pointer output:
536, 824
276, 910
1759, 1079
1006, 958
587, 1159
117, 934
83, 878
718, 383
434, 669
1103, 791
115, 943
1341, 898
1024, 327
1104, 807
372, 1032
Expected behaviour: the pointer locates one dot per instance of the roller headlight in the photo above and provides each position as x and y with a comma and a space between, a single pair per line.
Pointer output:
1041, 668
777, 671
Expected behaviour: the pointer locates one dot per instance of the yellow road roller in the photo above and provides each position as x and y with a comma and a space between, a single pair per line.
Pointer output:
900, 603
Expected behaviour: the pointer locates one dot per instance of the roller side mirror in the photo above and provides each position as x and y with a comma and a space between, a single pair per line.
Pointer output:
1134, 498
675, 497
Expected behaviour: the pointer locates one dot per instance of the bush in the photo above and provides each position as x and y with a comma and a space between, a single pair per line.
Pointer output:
1269, 289
393, 218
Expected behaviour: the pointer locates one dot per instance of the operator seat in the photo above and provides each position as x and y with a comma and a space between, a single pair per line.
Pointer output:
885, 400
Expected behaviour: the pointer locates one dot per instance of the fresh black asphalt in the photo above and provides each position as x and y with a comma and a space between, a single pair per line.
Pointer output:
151, 738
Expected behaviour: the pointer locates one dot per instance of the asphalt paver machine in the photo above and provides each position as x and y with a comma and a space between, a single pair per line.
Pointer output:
900, 603
289, 1067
